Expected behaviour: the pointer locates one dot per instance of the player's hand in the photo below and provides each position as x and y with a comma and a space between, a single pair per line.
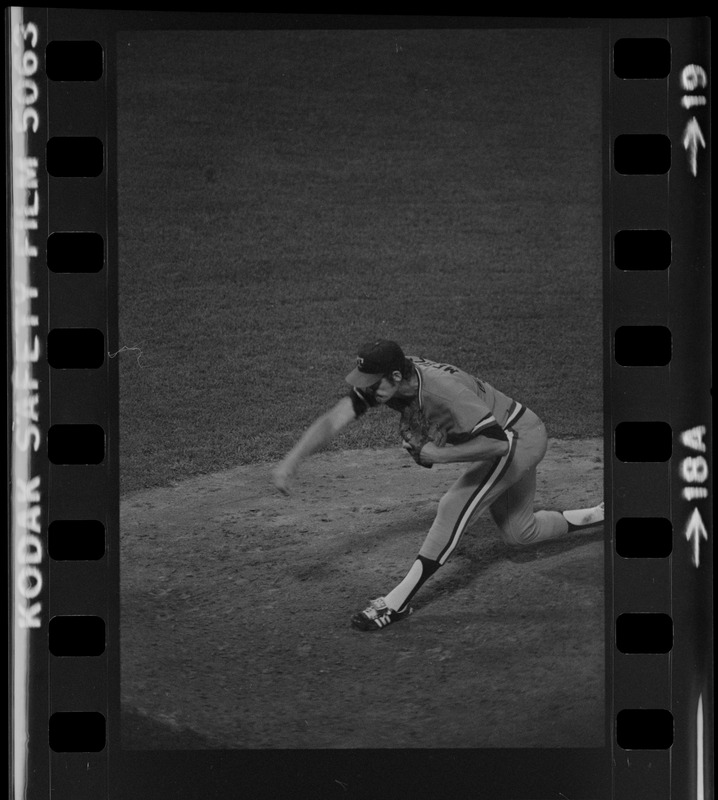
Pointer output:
282, 477
430, 454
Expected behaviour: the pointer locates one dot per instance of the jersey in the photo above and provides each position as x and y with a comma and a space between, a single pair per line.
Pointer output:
453, 404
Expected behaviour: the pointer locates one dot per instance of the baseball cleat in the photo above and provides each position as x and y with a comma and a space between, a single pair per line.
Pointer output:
378, 615
584, 517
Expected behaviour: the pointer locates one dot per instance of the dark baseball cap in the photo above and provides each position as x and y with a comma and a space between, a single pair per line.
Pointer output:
374, 360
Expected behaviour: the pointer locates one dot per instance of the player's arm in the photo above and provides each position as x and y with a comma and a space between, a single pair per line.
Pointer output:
482, 441
317, 435
489, 444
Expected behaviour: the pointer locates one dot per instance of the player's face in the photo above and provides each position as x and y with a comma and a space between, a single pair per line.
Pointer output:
386, 388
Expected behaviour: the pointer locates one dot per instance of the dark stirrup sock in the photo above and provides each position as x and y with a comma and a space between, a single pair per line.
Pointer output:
421, 570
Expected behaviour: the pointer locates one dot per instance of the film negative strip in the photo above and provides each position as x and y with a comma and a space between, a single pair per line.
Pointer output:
663, 202
83, 579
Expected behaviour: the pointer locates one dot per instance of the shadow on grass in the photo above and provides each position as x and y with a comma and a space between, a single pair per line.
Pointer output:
478, 559
413, 530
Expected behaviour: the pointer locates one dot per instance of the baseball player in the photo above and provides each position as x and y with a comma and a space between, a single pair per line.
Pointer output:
446, 416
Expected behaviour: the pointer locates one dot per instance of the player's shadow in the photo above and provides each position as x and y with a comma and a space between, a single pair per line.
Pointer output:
476, 558
413, 529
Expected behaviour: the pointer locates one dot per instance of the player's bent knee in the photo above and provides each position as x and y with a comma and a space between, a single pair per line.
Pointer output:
520, 536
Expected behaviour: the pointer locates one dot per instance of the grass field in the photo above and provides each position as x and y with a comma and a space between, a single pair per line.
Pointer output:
286, 195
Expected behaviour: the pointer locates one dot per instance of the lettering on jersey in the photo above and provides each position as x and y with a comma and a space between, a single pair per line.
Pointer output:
452, 370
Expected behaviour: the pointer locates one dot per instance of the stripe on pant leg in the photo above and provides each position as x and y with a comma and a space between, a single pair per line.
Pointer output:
515, 413
493, 477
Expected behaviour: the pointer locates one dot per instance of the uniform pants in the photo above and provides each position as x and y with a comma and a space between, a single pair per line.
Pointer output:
506, 487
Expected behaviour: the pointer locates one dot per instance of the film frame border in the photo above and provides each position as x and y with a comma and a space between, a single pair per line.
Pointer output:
45, 492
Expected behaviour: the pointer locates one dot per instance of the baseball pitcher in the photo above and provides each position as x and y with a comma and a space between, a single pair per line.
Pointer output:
446, 415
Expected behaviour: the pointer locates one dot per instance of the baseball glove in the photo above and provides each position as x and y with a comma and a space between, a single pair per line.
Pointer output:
416, 431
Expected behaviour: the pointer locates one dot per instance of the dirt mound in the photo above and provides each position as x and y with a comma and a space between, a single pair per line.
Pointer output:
235, 607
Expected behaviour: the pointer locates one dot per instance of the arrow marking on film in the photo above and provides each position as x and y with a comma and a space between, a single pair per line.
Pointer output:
696, 530
692, 137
